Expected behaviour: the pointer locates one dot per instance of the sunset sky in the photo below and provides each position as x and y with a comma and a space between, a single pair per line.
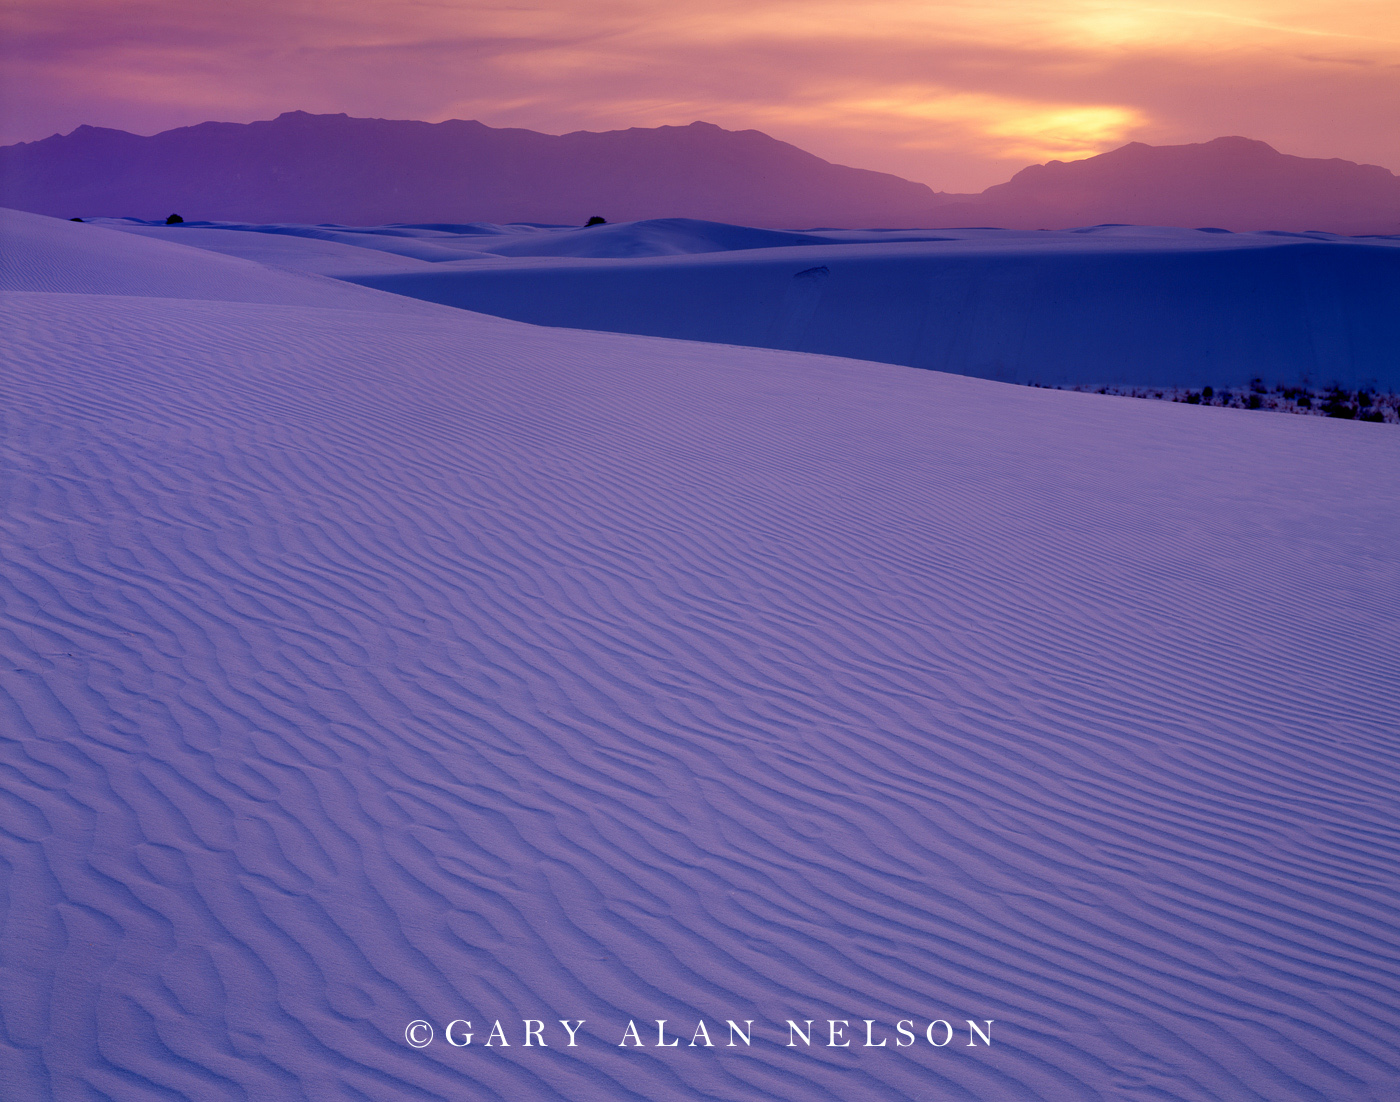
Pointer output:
955, 95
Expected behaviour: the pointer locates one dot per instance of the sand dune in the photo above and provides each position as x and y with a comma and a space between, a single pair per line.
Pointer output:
367, 660
48, 255
1126, 305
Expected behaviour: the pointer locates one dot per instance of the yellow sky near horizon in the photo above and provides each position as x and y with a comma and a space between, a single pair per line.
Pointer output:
955, 94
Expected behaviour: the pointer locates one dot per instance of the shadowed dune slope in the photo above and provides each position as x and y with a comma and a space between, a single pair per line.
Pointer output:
364, 667
1148, 310
1128, 305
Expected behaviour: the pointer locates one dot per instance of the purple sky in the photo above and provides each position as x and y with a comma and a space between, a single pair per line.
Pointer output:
957, 96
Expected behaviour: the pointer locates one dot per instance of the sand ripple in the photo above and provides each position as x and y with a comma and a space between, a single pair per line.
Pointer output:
363, 668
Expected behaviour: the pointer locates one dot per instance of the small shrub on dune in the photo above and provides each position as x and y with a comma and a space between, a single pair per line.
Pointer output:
174, 220
1365, 404
596, 221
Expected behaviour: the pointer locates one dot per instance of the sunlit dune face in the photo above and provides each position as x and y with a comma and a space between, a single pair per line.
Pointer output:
958, 94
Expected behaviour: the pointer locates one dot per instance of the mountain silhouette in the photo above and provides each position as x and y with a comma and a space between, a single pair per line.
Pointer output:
333, 168
1232, 183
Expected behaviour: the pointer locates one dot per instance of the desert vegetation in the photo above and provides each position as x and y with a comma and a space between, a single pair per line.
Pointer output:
1363, 404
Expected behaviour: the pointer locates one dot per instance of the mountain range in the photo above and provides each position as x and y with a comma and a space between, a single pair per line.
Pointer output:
1232, 183
301, 167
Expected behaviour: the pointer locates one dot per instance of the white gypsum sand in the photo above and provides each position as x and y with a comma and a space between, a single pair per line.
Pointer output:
1132, 307
367, 660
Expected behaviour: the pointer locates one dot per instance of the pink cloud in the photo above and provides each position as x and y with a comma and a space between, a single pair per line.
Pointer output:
956, 100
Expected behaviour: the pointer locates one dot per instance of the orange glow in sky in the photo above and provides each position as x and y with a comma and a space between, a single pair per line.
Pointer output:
957, 95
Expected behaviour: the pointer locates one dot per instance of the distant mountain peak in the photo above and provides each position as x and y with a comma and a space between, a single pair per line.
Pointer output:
305, 167
308, 116
1233, 182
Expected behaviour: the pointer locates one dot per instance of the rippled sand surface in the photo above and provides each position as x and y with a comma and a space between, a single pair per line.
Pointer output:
365, 660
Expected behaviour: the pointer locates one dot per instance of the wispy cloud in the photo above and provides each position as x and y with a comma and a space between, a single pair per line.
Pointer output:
955, 94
